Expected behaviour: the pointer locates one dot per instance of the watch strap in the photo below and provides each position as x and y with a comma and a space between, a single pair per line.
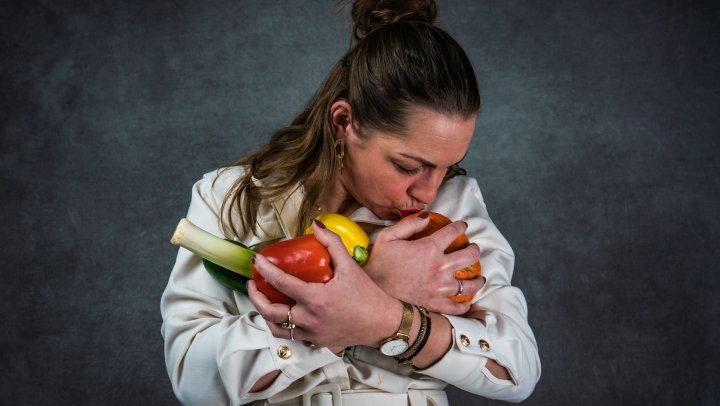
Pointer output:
406, 358
406, 321
403, 331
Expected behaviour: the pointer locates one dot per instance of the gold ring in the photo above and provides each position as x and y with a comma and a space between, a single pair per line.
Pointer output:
288, 324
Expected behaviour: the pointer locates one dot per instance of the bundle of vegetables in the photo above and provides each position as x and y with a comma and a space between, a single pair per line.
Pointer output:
229, 262
438, 221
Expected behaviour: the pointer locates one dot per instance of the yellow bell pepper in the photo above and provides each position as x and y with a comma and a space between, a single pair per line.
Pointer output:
353, 236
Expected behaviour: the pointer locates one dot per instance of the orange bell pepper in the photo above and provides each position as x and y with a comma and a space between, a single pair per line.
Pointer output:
438, 221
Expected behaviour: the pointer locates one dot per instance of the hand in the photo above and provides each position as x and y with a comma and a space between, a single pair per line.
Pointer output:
419, 272
348, 310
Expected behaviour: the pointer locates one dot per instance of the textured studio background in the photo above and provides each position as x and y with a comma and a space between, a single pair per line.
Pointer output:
597, 152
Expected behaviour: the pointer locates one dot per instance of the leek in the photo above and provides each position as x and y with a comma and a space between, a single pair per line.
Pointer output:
224, 253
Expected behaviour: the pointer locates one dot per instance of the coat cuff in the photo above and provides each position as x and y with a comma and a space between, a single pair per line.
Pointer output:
302, 359
293, 359
473, 344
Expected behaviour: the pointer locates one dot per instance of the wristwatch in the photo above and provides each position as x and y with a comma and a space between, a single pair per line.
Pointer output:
398, 343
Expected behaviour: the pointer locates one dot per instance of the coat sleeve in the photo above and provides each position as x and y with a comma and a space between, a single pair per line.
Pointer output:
216, 344
497, 326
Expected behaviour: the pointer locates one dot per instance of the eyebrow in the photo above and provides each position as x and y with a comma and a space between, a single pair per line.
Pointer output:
425, 161
419, 159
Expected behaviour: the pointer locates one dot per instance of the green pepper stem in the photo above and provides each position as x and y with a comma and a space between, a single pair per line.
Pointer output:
360, 255
213, 248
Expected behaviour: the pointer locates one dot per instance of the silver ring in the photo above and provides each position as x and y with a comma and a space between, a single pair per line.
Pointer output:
460, 288
291, 336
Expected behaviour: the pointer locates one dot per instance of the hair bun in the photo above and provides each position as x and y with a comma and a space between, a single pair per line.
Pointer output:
370, 15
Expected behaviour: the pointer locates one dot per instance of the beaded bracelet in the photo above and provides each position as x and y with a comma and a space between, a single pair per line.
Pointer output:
422, 338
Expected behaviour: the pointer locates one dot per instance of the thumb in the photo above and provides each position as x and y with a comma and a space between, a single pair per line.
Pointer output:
406, 228
334, 245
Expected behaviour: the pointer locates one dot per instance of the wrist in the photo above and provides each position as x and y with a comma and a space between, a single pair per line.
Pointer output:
439, 342
399, 341
424, 327
387, 320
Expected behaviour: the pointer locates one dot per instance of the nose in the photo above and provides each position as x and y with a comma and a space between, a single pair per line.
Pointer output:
425, 188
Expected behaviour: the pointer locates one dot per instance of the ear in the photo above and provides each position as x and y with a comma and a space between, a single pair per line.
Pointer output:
341, 119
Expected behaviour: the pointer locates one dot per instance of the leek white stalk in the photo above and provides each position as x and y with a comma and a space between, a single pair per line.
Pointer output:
212, 248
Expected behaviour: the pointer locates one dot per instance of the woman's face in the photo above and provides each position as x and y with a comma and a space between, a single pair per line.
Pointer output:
392, 173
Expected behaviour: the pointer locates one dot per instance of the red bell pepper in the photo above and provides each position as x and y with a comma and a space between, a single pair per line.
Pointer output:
303, 257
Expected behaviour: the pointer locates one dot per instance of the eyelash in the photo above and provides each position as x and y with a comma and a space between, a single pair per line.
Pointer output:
406, 171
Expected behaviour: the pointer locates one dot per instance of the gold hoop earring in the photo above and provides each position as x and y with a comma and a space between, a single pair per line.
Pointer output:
340, 152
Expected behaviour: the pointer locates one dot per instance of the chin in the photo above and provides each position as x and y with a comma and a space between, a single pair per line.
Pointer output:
387, 214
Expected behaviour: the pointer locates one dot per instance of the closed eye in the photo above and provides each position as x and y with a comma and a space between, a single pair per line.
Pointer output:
406, 171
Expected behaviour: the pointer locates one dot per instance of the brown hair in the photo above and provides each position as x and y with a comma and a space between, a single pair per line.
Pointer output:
400, 60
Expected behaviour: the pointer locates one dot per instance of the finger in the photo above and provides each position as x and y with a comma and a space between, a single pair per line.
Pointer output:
405, 229
271, 312
462, 258
283, 333
470, 287
333, 243
258, 299
279, 279
446, 235
446, 306
274, 314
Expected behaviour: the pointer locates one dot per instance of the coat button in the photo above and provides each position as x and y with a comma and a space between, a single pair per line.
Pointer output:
464, 340
484, 345
284, 352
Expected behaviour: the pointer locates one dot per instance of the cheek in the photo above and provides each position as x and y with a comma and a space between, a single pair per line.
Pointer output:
382, 190
376, 183
397, 189
392, 188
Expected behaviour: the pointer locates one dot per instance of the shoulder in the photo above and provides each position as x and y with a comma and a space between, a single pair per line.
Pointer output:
217, 183
219, 190
459, 198
459, 181
209, 192
223, 177
457, 186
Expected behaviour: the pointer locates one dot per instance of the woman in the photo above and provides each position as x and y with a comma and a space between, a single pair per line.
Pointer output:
381, 138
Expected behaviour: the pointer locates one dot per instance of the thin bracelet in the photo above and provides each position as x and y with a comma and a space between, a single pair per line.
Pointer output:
420, 341
421, 332
409, 359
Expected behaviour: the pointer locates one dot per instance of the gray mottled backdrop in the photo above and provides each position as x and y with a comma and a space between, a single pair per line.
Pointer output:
597, 151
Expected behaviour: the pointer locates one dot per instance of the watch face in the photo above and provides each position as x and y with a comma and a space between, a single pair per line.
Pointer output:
394, 348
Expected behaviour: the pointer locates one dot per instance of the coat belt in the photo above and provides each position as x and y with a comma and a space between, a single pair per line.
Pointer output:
332, 395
